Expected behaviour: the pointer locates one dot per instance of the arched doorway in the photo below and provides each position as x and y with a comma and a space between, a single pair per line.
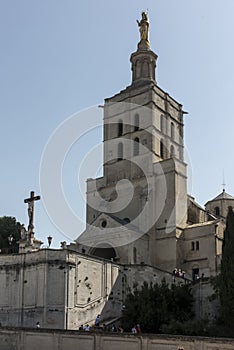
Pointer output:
104, 251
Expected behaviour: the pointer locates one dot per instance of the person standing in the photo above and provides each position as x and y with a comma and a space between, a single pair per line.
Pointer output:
97, 321
138, 328
87, 328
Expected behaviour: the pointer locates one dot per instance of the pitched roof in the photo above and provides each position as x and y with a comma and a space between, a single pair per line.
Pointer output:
222, 195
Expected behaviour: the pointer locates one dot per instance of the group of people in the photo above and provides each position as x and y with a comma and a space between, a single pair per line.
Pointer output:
84, 328
115, 329
87, 328
136, 329
178, 273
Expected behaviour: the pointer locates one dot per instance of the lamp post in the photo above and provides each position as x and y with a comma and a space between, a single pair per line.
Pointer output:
49, 238
10, 249
10, 239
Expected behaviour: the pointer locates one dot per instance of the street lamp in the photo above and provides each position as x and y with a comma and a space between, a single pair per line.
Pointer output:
10, 239
49, 238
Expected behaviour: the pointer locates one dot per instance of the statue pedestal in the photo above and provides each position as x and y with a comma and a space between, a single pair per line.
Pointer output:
25, 246
143, 45
143, 64
28, 243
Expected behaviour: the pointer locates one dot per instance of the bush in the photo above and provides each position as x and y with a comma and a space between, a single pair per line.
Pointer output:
156, 306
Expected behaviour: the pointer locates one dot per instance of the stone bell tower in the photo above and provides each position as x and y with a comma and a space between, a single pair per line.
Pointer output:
138, 208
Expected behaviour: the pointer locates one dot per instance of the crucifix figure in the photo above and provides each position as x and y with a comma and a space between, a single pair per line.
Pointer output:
30, 202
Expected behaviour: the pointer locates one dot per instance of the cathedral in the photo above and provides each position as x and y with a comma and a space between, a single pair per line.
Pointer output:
139, 212
141, 223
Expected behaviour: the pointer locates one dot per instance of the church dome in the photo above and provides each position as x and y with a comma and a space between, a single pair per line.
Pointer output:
219, 205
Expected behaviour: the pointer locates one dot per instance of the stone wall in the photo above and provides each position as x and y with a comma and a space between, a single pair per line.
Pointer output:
36, 339
205, 306
63, 289
136, 275
58, 288
33, 288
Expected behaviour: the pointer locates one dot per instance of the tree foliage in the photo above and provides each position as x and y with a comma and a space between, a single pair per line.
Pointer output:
9, 227
155, 306
226, 277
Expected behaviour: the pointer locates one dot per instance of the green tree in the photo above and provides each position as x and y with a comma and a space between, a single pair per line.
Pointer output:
226, 277
9, 234
156, 306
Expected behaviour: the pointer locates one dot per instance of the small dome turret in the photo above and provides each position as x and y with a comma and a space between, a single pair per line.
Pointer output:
219, 205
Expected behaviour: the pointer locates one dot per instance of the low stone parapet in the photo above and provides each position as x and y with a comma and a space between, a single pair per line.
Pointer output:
46, 339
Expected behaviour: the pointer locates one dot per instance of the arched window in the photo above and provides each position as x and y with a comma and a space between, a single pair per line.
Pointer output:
162, 149
136, 146
217, 211
120, 151
162, 124
193, 246
120, 128
172, 131
197, 245
136, 122
172, 151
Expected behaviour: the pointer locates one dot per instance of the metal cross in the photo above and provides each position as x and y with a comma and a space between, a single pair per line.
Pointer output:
30, 202
223, 184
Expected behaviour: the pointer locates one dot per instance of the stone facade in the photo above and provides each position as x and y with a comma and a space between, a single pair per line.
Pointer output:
202, 248
58, 288
63, 289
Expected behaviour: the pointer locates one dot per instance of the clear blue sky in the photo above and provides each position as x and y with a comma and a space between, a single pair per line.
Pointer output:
59, 57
